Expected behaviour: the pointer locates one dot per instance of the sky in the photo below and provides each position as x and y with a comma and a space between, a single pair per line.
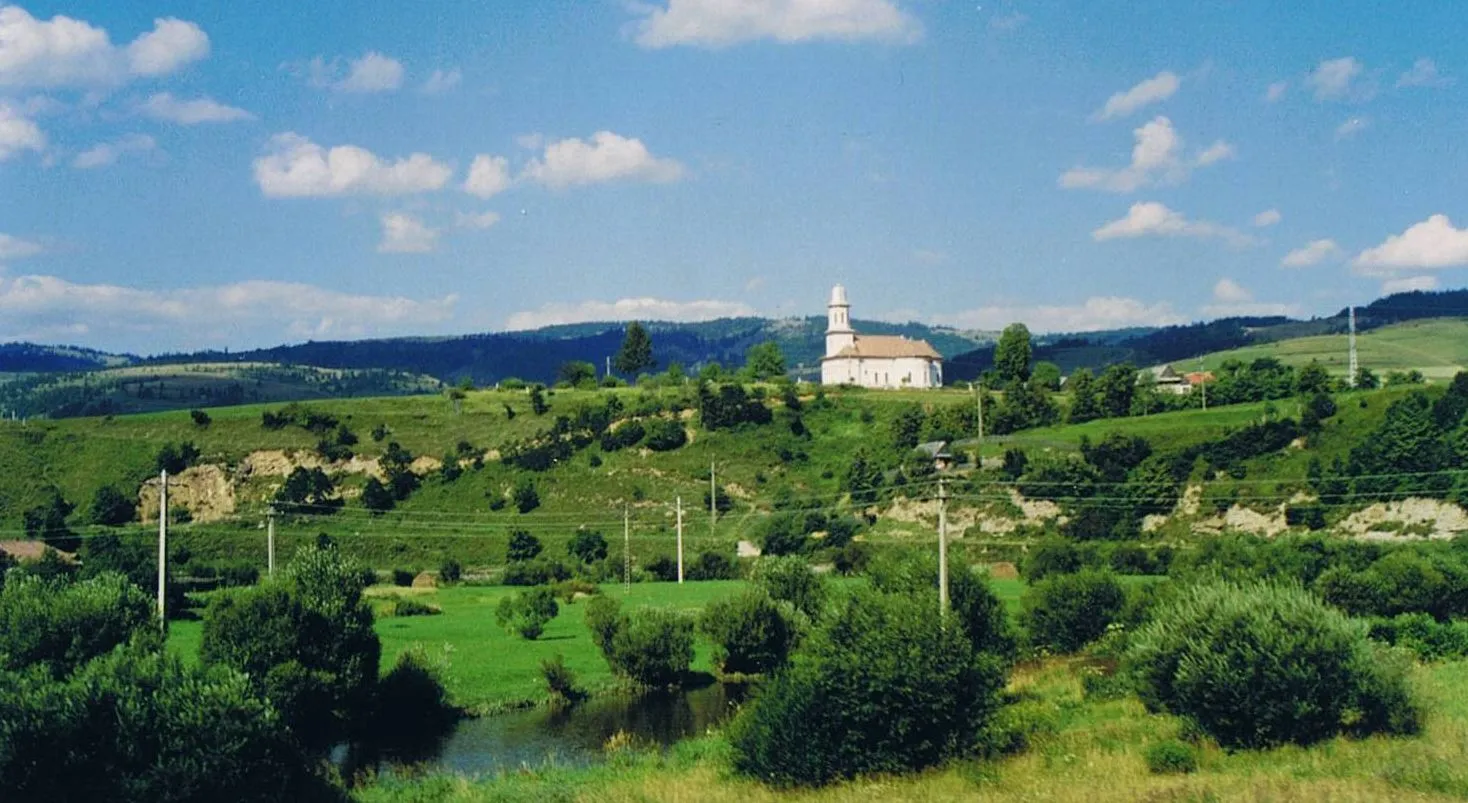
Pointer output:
187, 175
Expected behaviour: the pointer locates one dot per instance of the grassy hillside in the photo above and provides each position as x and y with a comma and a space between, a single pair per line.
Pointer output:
1437, 347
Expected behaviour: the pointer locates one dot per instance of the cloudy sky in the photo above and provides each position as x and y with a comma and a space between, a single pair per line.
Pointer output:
204, 174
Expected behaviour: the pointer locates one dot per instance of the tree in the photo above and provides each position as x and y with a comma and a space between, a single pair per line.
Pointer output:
201, 419
750, 633
376, 497
765, 360
1012, 354
907, 428
1046, 374
588, 546
1115, 389
307, 491
576, 373
1064, 612
110, 508
47, 522
1366, 379
1312, 379
636, 351
1084, 406
527, 612
522, 546
863, 478
527, 498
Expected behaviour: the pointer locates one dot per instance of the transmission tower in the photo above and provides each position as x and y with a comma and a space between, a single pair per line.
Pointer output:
1354, 369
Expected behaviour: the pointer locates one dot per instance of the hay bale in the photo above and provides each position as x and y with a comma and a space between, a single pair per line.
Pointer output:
1003, 570
425, 580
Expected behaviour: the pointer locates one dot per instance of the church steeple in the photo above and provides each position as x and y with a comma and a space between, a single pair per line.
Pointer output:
839, 333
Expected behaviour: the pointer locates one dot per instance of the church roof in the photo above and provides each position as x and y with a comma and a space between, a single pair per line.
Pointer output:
887, 346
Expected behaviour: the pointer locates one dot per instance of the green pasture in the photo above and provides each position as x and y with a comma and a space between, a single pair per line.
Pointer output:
1436, 347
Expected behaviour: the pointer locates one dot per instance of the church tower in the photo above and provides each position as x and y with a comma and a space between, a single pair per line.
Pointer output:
839, 333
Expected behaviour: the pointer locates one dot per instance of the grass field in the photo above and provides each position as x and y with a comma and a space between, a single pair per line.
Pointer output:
1436, 347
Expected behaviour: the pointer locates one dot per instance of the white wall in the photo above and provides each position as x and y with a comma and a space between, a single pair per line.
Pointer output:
900, 372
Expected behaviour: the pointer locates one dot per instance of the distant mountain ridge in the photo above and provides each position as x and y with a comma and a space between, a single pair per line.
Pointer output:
537, 355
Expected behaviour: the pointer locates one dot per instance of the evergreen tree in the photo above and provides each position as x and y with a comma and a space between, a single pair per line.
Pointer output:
1084, 405
765, 361
636, 351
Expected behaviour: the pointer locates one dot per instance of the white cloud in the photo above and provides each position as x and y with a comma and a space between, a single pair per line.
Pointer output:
296, 167
1433, 243
442, 81
18, 133
1333, 79
1407, 284
67, 52
405, 234
1351, 127
1267, 218
476, 220
1276, 91
607, 157
164, 106
1094, 314
12, 247
1156, 159
1152, 219
1216, 152
628, 309
1312, 253
47, 308
373, 72
106, 153
171, 44
719, 23
488, 176
1423, 73
1231, 299
1153, 90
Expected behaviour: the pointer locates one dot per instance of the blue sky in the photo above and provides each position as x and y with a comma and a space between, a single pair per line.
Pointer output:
180, 175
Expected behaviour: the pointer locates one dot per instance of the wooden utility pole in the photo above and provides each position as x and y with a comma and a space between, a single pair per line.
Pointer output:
163, 550
713, 500
942, 549
680, 540
270, 542
979, 405
626, 549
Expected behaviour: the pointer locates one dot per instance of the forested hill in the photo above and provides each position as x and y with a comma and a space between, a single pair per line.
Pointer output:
1173, 343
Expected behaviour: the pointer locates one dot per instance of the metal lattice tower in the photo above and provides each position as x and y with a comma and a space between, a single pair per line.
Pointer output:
1355, 368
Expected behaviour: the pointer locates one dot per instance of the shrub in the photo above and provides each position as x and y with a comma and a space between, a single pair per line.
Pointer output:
407, 606
111, 509
60, 626
652, 647
536, 572
587, 546
750, 633
784, 534
1259, 664
881, 686
662, 568
629, 434
412, 703
527, 612
1052, 555
1171, 757
665, 435
790, 579
566, 590
527, 498
603, 617
522, 546
977, 609
1309, 515
1430, 639
305, 641
403, 578
712, 566
560, 681
138, 724
1065, 612
450, 571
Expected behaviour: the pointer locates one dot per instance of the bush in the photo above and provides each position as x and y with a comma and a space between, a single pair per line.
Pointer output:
880, 687
587, 546
750, 633
111, 509
790, 579
1171, 757
1051, 555
137, 724
522, 546
625, 436
1065, 612
652, 647
407, 606
403, 578
663, 568
305, 641
412, 704
560, 681
1430, 639
58, 627
1259, 664
665, 435
527, 612
712, 566
527, 498
536, 572
566, 590
450, 571
976, 607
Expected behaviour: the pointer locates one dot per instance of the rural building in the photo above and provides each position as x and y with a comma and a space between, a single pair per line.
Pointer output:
874, 361
1166, 380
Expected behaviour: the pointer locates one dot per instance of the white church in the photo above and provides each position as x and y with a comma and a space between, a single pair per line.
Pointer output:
874, 361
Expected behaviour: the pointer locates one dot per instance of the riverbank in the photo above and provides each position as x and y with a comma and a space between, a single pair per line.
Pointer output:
1080, 749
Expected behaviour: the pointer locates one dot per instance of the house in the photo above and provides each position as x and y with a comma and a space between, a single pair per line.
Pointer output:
1166, 380
874, 361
